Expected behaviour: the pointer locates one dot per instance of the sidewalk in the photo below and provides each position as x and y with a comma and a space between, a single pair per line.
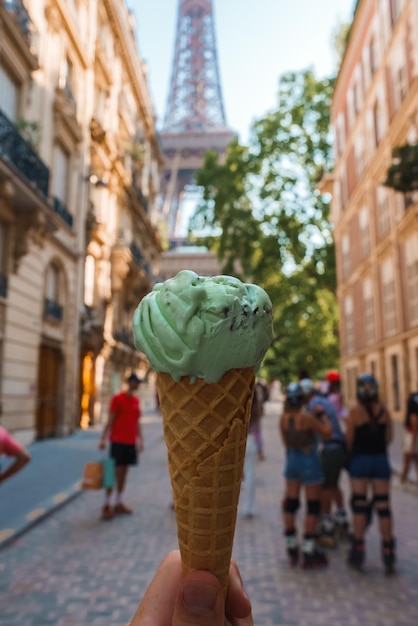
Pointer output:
53, 477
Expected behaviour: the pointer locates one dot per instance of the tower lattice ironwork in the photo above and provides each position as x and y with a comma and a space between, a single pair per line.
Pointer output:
195, 118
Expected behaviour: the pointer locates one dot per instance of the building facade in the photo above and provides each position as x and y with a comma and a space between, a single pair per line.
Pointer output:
79, 176
375, 110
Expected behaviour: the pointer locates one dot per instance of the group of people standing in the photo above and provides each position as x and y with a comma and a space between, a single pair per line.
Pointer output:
322, 439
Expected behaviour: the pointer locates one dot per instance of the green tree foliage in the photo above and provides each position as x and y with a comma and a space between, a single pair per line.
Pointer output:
270, 225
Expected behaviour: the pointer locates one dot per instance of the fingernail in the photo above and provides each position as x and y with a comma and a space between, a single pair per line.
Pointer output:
200, 597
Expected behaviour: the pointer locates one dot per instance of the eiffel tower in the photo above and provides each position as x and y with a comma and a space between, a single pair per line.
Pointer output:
195, 118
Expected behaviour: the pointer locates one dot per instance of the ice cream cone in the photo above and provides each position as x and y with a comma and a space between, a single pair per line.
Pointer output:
205, 429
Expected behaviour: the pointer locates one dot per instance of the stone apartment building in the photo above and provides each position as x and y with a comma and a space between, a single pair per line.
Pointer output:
374, 111
79, 176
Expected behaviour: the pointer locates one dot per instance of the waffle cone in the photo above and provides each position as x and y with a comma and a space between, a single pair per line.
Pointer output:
205, 429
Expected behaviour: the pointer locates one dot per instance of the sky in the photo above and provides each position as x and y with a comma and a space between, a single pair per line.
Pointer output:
257, 41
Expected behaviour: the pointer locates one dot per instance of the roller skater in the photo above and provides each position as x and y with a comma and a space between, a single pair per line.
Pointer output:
369, 432
298, 430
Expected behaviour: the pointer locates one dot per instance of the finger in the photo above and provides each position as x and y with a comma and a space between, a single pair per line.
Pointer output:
238, 605
200, 601
157, 605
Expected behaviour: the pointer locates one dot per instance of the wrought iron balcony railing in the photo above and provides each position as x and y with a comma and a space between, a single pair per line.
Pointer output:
52, 310
21, 15
61, 210
18, 152
3, 286
139, 259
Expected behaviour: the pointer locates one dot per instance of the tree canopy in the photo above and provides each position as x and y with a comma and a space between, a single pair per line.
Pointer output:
269, 224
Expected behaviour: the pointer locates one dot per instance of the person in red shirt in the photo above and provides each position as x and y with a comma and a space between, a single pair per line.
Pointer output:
124, 433
11, 448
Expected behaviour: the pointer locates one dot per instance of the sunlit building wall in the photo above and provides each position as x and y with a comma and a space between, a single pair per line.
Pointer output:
375, 109
79, 175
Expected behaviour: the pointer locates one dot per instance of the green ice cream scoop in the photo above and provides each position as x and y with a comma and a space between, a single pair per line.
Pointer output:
201, 327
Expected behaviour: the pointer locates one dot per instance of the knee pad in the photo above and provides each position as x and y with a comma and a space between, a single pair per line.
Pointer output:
313, 507
359, 504
383, 511
290, 505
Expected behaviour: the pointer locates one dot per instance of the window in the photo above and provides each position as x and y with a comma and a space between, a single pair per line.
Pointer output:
369, 320
400, 85
383, 212
3, 260
411, 262
101, 105
340, 134
401, 201
349, 324
352, 375
395, 382
358, 91
373, 368
9, 92
395, 11
53, 309
373, 55
345, 254
61, 171
89, 280
66, 80
359, 152
376, 124
344, 187
364, 232
60, 185
351, 112
390, 321
399, 75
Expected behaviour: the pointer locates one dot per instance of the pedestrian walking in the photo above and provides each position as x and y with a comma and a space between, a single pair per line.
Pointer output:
123, 430
248, 501
175, 598
11, 448
299, 430
410, 442
333, 456
369, 433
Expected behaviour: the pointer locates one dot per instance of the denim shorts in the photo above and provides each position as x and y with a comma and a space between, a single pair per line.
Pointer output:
304, 467
370, 466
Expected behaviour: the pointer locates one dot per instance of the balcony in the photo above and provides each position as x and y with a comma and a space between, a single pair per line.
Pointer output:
139, 259
61, 210
20, 14
52, 310
18, 153
21, 29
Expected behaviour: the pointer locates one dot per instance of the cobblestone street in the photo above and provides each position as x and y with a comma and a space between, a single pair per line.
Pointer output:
73, 569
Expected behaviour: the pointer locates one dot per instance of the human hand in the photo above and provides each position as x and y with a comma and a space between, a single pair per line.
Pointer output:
102, 444
174, 598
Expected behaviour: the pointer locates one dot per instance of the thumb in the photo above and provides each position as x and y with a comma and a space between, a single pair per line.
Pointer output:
199, 601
